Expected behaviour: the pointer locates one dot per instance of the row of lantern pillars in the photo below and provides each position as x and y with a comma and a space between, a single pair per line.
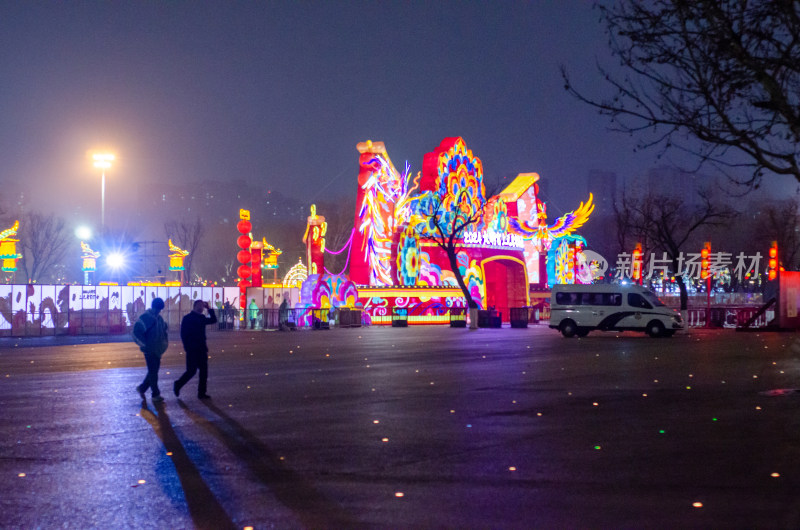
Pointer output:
773, 270
705, 262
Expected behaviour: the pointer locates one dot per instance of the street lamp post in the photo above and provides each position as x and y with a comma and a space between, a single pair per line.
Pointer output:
103, 161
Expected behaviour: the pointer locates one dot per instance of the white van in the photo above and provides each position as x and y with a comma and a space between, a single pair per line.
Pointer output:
579, 309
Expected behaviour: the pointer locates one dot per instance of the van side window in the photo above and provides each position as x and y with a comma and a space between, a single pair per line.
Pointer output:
612, 299
637, 300
595, 299
568, 298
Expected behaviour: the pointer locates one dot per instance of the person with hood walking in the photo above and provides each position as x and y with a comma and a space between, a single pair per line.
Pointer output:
253, 313
151, 334
283, 316
193, 336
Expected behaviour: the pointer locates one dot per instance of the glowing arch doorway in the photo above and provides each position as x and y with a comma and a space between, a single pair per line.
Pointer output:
506, 283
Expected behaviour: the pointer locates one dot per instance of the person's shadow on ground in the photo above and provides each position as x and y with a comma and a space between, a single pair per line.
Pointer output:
204, 508
312, 508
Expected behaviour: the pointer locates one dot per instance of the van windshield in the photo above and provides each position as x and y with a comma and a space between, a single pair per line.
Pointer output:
653, 299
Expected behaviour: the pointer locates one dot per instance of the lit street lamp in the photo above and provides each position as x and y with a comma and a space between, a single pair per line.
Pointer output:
103, 161
83, 232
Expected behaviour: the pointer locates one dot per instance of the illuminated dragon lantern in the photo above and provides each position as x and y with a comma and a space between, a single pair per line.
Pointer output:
89, 257
395, 211
8, 248
176, 257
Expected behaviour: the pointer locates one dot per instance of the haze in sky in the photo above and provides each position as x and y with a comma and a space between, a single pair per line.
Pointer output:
280, 93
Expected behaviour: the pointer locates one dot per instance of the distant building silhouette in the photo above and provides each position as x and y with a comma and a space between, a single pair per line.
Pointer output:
603, 185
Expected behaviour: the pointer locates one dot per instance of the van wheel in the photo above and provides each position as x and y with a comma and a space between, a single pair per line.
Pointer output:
582, 332
655, 329
568, 328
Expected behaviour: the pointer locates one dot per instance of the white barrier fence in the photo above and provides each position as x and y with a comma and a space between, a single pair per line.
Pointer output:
38, 310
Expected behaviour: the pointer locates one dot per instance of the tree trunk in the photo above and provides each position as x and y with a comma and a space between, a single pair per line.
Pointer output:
451, 256
684, 294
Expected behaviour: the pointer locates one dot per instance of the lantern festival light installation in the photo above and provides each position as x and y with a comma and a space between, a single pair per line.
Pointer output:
270, 255
176, 258
394, 260
89, 259
314, 238
296, 275
244, 256
636, 264
249, 257
256, 250
565, 261
8, 248
382, 202
398, 216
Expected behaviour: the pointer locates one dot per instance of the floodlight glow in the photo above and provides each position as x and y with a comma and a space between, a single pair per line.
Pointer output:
83, 232
116, 260
103, 160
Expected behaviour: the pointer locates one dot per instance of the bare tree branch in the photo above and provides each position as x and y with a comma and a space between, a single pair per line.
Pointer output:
44, 241
725, 74
664, 224
780, 222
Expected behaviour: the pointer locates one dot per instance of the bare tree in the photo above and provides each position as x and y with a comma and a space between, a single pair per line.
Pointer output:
665, 224
780, 221
724, 74
623, 219
44, 242
187, 236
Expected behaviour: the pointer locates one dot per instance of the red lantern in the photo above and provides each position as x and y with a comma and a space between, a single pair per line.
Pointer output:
244, 241
244, 226
705, 255
243, 271
772, 269
244, 284
243, 256
636, 265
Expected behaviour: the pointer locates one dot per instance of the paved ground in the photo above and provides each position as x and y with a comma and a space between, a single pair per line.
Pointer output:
407, 428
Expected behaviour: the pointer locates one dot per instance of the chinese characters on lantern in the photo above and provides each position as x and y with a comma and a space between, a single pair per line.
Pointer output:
689, 265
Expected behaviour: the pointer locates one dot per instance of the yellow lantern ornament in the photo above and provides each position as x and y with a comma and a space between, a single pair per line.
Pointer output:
8, 248
176, 258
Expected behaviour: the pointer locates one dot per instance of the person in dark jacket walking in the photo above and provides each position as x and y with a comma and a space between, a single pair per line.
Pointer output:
150, 334
193, 336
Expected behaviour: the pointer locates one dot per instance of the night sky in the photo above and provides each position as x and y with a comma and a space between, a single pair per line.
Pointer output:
280, 93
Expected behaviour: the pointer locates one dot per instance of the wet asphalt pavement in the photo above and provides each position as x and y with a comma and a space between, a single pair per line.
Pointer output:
407, 428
